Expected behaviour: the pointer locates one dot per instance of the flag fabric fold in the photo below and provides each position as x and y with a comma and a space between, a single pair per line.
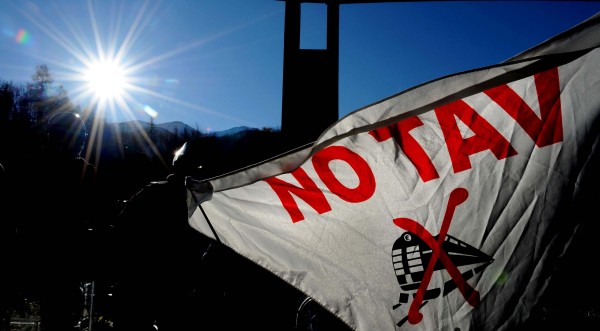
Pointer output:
442, 207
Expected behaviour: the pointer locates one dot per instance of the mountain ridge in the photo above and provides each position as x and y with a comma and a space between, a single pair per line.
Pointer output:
176, 127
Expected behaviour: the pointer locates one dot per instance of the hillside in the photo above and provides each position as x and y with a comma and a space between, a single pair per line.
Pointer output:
177, 128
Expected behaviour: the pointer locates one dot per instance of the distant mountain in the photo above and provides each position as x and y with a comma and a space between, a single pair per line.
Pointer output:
175, 127
231, 131
132, 127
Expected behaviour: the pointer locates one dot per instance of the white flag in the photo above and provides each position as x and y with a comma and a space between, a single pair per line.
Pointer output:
435, 209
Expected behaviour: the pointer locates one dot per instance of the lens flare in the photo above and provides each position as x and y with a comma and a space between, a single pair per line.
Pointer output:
153, 113
22, 36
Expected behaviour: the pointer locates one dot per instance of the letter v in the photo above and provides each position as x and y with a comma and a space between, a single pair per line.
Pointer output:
546, 130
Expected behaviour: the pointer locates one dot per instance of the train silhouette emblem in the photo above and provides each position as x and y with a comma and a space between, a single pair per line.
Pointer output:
417, 254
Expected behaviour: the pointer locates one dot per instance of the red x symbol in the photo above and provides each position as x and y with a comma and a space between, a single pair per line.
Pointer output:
457, 196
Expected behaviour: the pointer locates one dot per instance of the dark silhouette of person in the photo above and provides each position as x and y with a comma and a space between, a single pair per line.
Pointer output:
173, 278
160, 272
58, 206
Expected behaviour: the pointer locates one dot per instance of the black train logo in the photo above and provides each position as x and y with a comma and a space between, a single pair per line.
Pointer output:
411, 255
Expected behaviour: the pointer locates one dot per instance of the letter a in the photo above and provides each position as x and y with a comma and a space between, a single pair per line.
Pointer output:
486, 136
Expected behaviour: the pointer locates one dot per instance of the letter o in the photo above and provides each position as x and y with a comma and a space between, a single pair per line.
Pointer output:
366, 179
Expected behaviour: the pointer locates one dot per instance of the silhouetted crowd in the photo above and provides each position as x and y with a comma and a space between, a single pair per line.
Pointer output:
161, 273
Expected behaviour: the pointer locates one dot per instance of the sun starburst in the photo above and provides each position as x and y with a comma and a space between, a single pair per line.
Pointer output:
108, 71
106, 80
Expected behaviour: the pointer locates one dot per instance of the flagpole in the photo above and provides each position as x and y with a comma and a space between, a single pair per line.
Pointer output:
91, 313
209, 224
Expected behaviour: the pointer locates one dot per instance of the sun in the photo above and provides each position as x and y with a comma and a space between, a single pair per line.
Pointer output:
106, 80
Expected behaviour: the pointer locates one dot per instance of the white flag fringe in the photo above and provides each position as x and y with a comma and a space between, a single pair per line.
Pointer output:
439, 208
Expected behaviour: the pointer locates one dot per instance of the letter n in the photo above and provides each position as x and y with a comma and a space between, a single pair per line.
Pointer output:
309, 192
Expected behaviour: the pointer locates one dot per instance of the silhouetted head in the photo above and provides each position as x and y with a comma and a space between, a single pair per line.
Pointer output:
66, 134
188, 159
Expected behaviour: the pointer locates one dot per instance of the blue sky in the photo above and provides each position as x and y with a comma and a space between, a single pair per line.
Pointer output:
218, 64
